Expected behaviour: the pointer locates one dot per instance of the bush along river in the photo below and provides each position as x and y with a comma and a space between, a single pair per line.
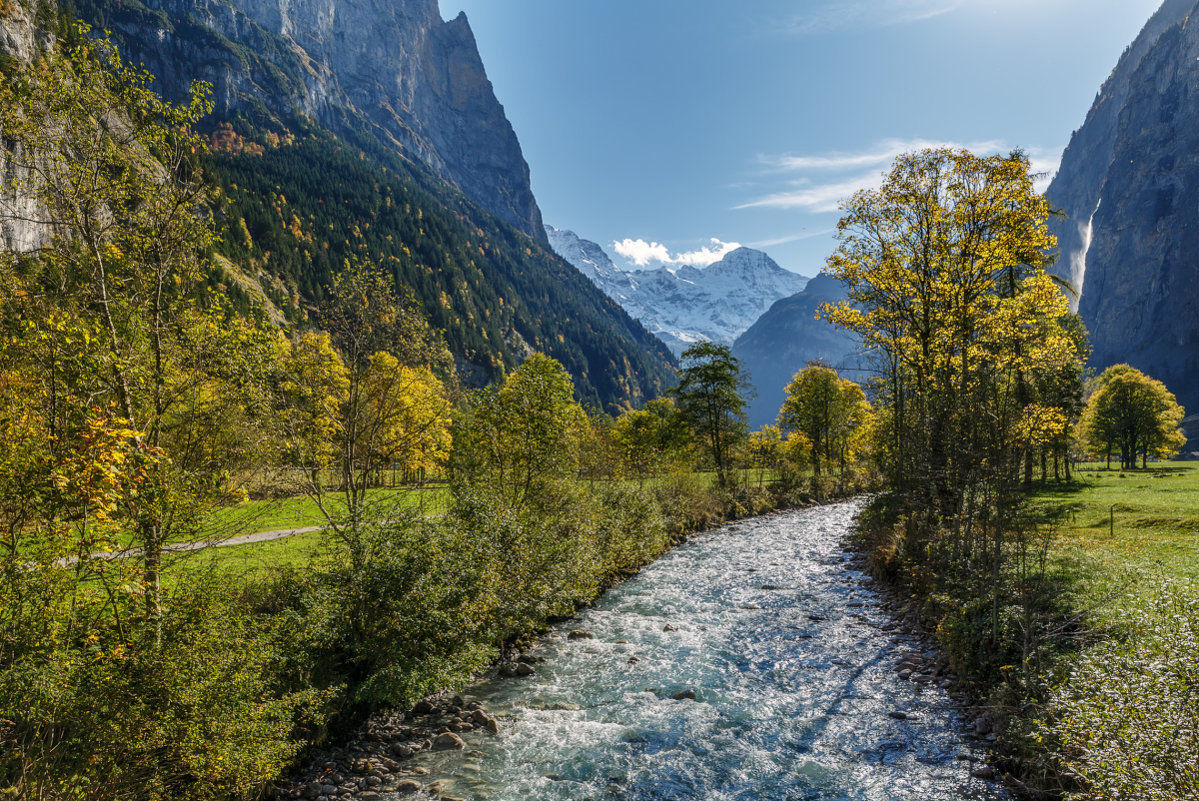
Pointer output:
751, 663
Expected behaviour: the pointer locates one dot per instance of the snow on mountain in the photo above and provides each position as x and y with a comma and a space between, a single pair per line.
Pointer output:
683, 305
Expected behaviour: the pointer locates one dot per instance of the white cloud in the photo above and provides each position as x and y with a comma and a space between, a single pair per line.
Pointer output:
825, 195
786, 240
642, 253
879, 154
817, 198
839, 14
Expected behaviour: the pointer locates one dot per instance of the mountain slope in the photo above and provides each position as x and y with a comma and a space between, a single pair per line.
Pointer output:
299, 198
1129, 183
786, 338
684, 305
391, 65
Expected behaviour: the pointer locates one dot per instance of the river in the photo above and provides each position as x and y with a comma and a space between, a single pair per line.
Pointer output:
792, 664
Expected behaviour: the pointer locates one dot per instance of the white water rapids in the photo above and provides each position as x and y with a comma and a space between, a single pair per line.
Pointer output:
791, 664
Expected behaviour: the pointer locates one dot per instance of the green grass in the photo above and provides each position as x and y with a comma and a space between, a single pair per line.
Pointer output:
257, 560
302, 511
1118, 534
299, 550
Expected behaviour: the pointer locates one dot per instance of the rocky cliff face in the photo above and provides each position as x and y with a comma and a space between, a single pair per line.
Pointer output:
684, 305
1129, 183
20, 41
391, 65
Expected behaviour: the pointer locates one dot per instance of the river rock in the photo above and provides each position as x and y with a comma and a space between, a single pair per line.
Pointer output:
402, 751
685, 695
985, 772
408, 786
524, 671
447, 741
483, 720
424, 708
580, 634
670, 627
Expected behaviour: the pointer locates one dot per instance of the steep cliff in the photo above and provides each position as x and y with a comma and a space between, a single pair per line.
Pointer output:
1129, 185
20, 41
392, 66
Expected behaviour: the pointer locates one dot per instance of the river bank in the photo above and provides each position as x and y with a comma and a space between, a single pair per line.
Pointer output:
752, 659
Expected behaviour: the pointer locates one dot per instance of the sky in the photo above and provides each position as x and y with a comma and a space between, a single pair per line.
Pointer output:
670, 131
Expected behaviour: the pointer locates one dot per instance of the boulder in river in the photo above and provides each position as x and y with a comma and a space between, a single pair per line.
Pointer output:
685, 695
580, 634
447, 741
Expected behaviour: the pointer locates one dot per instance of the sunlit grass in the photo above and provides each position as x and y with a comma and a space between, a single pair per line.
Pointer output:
1120, 534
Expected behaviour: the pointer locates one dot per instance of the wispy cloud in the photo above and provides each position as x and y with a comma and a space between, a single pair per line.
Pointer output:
786, 240
840, 14
879, 154
642, 253
818, 198
821, 181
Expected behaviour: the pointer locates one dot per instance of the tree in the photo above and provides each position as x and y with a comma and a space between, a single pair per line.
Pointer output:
945, 267
653, 438
711, 398
828, 410
1134, 414
523, 436
764, 449
107, 173
365, 397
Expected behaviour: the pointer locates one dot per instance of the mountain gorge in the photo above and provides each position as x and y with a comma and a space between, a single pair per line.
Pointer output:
685, 304
1129, 187
368, 131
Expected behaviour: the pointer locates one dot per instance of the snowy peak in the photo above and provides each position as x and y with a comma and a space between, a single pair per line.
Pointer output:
684, 304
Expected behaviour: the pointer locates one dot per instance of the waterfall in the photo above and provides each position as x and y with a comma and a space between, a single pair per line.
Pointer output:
1078, 259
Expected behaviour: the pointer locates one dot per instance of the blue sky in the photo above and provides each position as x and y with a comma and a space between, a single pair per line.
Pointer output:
678, 128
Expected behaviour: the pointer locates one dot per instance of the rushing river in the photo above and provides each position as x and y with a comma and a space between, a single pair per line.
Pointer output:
792, 669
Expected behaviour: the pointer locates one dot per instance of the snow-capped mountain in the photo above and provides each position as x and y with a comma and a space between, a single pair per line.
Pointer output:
683, 305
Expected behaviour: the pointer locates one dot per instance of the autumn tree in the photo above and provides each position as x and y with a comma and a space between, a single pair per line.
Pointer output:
711, 397
365, 396
828, 410
764, 449
653, 438
944, 265
106, 174
523, 436
945, 268
1133, 414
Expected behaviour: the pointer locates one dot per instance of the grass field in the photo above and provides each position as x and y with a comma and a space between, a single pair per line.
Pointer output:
1120, 534
301, 549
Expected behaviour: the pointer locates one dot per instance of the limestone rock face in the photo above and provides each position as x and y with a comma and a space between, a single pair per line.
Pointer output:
392, 66
1129, 183
20, 41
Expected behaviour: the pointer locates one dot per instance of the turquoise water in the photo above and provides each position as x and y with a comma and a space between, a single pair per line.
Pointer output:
792, 671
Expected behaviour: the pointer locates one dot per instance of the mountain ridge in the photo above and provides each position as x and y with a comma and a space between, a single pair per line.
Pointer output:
685, 304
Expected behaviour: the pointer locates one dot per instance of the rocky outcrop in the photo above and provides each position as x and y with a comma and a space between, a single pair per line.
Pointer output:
684, 304
391, 66
1129, 185
20, 41
786, 338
